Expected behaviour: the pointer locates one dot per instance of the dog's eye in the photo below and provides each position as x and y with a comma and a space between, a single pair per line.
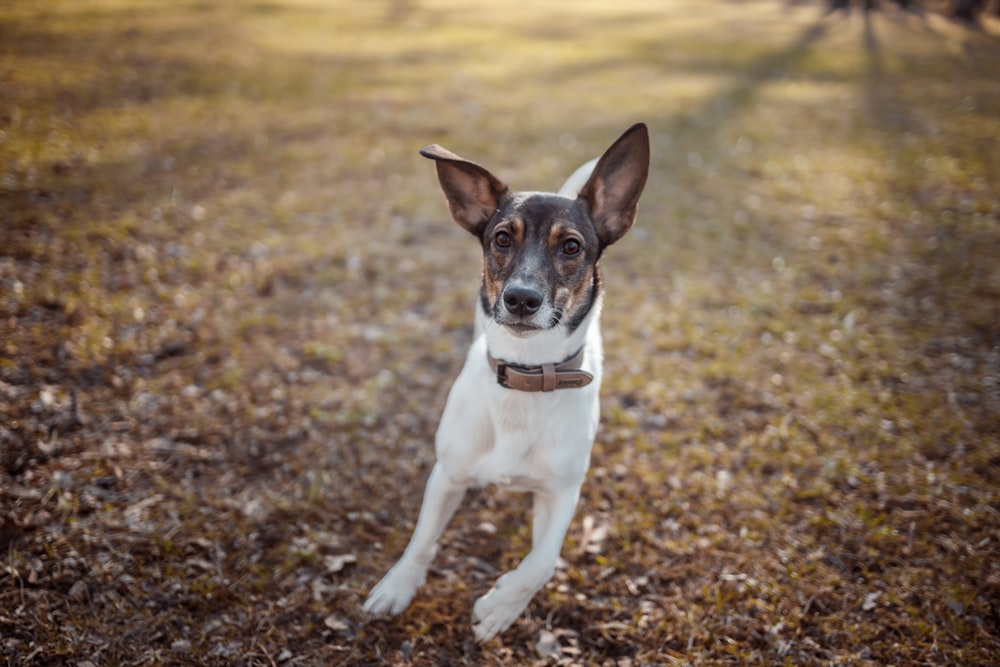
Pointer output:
571, 246
502, 240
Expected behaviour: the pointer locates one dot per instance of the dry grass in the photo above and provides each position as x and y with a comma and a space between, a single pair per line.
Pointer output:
231, 302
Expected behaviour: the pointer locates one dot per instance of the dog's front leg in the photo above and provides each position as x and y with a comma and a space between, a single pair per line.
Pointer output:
495, 611
393, 594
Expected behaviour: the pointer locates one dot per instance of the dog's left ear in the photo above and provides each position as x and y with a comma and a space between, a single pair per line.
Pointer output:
473, 193
613, 190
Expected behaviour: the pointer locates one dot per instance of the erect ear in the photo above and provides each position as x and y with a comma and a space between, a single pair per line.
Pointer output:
613, 190
473, 192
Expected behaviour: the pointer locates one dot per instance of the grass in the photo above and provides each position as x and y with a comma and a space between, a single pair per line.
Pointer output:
231, 304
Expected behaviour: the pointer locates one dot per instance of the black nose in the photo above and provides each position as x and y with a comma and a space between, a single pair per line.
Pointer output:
522, 301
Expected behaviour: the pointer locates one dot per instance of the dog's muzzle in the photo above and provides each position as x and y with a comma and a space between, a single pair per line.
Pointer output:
546, 377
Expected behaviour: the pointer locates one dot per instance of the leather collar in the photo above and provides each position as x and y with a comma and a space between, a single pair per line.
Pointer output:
546, 377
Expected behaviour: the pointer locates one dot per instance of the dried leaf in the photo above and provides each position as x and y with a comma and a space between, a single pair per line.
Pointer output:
337, 563
336, 622
547, 645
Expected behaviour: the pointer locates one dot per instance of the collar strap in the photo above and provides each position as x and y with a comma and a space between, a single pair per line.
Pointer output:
546, 377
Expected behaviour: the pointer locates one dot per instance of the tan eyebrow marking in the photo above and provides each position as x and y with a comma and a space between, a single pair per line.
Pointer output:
517, 224
514, 227
556, 233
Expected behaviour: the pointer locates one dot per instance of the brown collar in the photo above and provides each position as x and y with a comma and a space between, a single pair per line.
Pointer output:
546, 377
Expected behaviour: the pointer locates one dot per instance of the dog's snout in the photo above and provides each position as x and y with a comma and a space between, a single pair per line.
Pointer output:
522, 301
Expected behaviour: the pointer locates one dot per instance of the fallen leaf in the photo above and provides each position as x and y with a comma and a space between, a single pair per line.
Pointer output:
336, 623
336, 563
547, 645
594, 534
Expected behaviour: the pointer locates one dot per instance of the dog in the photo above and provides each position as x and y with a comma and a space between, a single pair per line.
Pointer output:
524, 410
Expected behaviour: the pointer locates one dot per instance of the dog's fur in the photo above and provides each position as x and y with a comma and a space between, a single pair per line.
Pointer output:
540, 303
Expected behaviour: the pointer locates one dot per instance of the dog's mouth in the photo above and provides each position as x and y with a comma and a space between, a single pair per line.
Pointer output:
523, 327
520, 329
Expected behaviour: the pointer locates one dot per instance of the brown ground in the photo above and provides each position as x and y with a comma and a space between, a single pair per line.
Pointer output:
231, 303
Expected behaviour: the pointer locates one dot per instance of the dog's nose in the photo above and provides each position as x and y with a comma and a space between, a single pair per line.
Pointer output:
522, 301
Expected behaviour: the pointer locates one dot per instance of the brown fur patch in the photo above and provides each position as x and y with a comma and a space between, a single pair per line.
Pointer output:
556, 234
578, 296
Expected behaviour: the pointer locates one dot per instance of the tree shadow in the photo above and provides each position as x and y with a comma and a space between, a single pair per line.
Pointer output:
755, 75
943, 277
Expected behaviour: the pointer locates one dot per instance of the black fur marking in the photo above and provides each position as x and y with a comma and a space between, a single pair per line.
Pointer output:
484, 302
581, 313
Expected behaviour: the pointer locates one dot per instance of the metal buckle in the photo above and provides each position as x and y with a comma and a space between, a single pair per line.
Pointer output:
502, 375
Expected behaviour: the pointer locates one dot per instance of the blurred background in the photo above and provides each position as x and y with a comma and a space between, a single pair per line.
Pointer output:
232, 302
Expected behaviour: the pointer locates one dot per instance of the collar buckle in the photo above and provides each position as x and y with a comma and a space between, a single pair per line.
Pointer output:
501, 369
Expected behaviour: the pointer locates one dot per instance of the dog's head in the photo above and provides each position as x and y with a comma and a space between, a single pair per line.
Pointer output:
541, 250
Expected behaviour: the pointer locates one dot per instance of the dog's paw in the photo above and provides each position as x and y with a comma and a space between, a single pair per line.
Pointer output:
393, 594
494, 612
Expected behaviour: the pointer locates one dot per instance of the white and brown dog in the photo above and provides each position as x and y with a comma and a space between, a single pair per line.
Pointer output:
524, 410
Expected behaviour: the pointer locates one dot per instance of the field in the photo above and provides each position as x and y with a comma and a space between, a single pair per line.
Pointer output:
232, 302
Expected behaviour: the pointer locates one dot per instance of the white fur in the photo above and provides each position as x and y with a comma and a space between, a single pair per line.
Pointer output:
578, 179
537, 442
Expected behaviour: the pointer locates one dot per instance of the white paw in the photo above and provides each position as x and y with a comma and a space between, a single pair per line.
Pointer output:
494, 612
393, 594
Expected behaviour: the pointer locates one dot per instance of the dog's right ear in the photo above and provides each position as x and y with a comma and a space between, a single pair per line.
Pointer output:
473, 193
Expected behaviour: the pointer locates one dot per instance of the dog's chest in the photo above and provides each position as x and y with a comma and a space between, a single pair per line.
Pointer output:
514, 466
536, 440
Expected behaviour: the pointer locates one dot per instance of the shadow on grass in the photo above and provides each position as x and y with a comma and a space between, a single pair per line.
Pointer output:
260, 467
948, 253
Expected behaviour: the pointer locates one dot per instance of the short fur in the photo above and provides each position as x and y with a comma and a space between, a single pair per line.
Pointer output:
540, 303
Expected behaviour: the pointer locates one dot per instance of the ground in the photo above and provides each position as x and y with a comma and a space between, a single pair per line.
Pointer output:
232, 302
